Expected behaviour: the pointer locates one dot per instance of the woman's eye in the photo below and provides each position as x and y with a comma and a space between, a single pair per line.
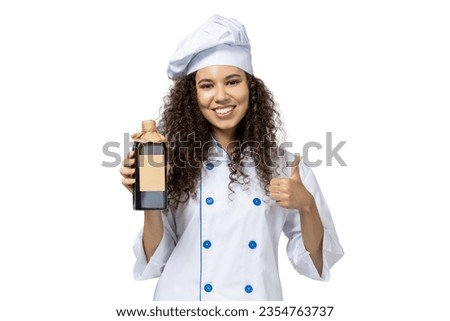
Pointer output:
233, 82
206, 86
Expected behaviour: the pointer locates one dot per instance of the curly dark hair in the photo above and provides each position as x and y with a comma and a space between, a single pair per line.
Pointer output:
189, 137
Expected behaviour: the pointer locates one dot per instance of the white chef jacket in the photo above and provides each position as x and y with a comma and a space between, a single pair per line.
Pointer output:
224, 246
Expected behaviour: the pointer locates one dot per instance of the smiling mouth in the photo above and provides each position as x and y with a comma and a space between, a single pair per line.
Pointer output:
224, 110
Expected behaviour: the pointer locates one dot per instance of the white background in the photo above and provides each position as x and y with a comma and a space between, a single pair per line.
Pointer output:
75, 75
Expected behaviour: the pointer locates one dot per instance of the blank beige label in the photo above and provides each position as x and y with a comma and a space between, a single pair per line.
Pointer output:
152, 173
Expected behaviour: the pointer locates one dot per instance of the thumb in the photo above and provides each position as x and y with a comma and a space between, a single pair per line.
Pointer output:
295, 173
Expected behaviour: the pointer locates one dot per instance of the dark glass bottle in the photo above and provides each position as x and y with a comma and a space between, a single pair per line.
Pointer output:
150, 191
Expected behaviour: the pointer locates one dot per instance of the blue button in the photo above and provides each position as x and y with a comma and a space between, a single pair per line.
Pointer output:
209, 166
207, 244
257, 201
248, 288
252, 245
209, 200
208, 287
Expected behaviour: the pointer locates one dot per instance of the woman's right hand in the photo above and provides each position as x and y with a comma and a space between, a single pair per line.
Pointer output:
127, 171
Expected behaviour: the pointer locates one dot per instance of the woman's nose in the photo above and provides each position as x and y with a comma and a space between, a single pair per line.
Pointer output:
221, 94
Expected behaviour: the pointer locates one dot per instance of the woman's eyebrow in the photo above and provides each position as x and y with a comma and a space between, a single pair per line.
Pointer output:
204, 80
226, 78
232, 76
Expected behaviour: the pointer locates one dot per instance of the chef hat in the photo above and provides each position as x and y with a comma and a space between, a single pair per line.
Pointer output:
220, 41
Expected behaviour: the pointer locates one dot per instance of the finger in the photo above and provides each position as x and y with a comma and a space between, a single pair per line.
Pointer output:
280, 198
127, 172
129, 162
282, 188
276, 181
283, 204
281, 183
296, 161
275, 196
295, 169
128, 183
130, 156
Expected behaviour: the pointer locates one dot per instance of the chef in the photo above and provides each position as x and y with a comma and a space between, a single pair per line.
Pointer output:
219, 237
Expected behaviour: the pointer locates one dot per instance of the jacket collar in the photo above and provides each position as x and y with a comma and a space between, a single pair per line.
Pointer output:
217, 153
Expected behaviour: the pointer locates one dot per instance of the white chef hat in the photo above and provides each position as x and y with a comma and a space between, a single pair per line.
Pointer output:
220, 41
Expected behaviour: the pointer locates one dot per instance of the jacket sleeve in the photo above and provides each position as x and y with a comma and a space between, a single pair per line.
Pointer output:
297, 253
144, 270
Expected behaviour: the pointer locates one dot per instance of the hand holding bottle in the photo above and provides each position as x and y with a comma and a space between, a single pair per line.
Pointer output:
127, 170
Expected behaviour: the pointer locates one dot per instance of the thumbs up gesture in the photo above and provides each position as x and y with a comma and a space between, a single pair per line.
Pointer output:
290, 192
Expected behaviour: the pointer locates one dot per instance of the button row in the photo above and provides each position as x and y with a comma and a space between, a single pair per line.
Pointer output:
208, 288
252, 244
210, 166
210, 201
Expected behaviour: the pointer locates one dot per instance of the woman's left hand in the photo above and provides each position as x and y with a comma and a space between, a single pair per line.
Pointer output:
290, 192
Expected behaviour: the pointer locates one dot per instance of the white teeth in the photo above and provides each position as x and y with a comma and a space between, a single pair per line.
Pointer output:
223, 110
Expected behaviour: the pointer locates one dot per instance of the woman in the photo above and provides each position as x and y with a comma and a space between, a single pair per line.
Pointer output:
231, 191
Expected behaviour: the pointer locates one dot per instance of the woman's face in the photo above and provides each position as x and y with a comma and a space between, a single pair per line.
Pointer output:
222, 94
